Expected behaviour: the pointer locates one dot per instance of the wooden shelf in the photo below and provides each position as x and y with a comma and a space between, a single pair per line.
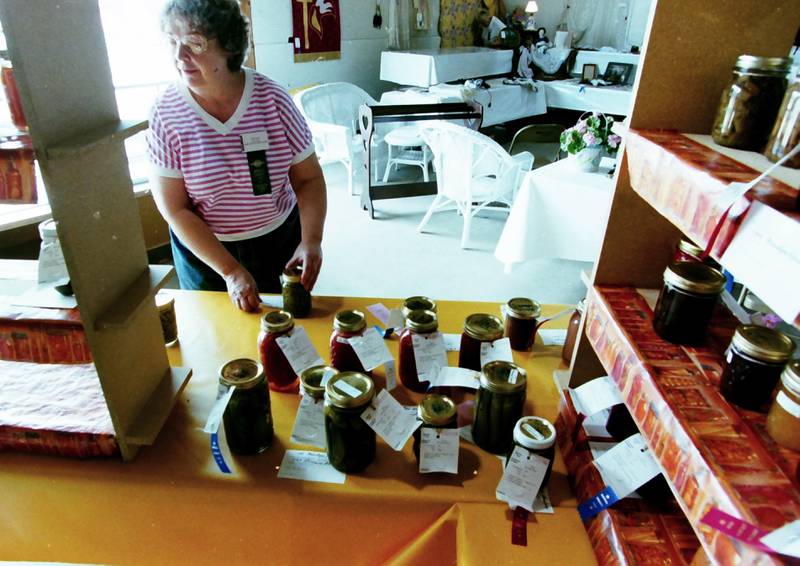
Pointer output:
710, 454
154, 414
81, 143
132, 299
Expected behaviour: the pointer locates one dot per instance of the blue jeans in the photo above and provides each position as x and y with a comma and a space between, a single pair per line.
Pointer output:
264, 257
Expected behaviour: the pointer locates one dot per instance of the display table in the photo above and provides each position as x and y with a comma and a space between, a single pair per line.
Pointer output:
426, 67
571, 95
559, 212
172, 506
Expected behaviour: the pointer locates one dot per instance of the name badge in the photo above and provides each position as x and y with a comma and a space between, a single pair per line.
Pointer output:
255, 145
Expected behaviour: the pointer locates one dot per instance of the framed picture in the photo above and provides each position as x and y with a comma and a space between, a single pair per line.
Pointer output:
589, 72
618, 73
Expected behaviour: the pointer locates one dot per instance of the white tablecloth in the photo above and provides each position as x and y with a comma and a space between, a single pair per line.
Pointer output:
426, 67
559, 212
571, 95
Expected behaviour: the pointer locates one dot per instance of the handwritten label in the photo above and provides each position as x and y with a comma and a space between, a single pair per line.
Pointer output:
457, 377
452, 342
499, 350
370, 349
522, 478
309, 424
390, 420
552, 337
532, 431
627, 466
391, 375
438, 450
299, 350
430, 354
595, 395
309, 466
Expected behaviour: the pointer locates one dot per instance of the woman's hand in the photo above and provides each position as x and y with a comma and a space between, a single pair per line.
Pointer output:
242, 289
309, 256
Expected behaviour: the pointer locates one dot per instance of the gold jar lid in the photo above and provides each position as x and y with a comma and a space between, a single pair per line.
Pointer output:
349, 390
791, 377
436, 410
761, 343
534, 433
422, 321
164, 302
349, 321
694, 277
690, 248
241, 373
311, 380
777, 65
503, 377
418, 303
521, 307
292, 275
484, 327
277, 321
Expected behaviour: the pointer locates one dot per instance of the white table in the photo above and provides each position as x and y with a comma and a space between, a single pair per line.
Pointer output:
572, 95
426, 67
559, 212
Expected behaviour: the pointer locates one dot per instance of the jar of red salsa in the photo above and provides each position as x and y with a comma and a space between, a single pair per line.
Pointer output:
478, 328
520, 327
279, 372
347, 324
422, 323
418, 303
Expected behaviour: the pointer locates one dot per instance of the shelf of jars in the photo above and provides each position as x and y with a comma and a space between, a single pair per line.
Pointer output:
713, 454
634, 530
684, 176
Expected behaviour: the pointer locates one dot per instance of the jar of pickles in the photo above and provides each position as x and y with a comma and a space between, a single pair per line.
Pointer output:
755, 358
248, 416
418, 303
346, 324
435, 411
783, 420
750, 102
296, 299
521, 316
350, 440
573, 326
280, 375
687, 301
311, 380
478, 328
166, 314
418, 323
786, 132
537, 436
499, 405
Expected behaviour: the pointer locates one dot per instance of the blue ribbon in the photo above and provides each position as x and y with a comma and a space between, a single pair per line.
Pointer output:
599, 502
217, 453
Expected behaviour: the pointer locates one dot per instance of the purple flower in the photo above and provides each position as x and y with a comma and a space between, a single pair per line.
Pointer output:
581, 126
590, 139
613, 141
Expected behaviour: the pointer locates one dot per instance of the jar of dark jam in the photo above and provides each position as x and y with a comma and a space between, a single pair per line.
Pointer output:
350, 440
783, 420
435, 411
521, 316
166, 314
620, 424
537, 436
750, 102
756, 358
687, 301
478, 328
296, 299
247, 418
418, 303
280, 375
687, 251
311, 380
786, 132
572, 332
499, 405
346, 324
421, 323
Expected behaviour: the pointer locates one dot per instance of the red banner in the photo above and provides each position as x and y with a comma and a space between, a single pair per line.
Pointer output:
316, 25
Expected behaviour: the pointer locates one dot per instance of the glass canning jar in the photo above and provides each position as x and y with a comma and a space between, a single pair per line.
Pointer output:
280, 375
478, 328
311, 380
350, 440
499, 405
435, 411
783, 420
418, 303
296, 299
166, 314
248, 416
537, 436
346, 324
521, 316
572, 332
786, 132
421, 323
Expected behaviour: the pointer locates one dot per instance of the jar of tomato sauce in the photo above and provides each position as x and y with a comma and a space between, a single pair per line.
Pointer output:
347, 324
279, 372
478, 328
422, 323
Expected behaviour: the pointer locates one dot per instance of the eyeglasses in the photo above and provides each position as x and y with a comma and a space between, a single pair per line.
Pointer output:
194, 42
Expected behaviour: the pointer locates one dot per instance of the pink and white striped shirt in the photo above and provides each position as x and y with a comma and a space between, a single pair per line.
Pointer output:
184, 141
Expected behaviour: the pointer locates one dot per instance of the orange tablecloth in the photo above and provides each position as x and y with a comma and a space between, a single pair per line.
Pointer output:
172, 506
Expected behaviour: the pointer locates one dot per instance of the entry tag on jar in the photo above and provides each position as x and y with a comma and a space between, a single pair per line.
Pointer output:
309, 424
391, 375
370, 349
390, 420
499, 350
326, 377
430, 355
595, 396
215, 416
522, 478
628, 466
299, 350
438, 451
309, 466
457, 377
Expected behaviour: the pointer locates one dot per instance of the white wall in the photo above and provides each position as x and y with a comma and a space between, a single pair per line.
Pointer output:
361, 45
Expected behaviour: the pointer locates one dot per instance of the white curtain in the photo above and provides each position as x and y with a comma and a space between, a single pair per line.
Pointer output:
399, 24
596, 23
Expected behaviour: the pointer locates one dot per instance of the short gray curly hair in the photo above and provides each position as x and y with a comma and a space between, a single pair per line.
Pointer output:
220, 19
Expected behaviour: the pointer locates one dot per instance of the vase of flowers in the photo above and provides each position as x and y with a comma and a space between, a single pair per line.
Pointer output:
589, 139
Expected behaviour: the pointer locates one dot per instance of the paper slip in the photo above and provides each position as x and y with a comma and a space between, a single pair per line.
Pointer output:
299, 350
497, 350
309, 466
600, 448
274, 301
628, 466
543, 503
346, 388
438, 450
44, 296
380, 312
390, 420
595, 395
452, 342
553, 337
457, 377
595, 425
52, 265
217, 410
522, 478
326, 377
370, 349
465, 432
785, 540
430, 355
309, 424
390, 374
396, 319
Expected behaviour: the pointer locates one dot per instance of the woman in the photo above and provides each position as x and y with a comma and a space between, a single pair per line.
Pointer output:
235, 174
